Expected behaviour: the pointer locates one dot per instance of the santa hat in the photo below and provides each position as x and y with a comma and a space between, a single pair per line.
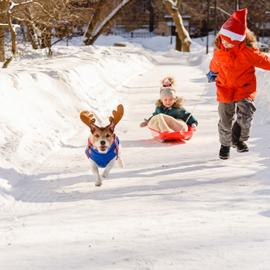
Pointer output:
235, 27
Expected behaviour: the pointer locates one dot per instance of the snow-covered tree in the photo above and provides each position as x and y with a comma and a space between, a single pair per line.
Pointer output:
10, 12
102, 18
3, 25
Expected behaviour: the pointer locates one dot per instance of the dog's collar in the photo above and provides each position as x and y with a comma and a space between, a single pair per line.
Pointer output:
102, 159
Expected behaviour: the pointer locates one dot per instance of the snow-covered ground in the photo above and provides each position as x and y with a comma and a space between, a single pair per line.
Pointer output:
173, 206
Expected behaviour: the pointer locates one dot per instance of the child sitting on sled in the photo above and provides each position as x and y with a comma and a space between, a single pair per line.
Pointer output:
169, 114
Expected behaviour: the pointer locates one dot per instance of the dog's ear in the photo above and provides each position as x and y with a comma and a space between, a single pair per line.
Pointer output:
117, 116
88, 119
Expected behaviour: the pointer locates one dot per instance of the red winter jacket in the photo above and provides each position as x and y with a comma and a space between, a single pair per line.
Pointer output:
236, 71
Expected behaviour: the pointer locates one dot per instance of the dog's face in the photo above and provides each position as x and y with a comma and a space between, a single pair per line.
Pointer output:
102, 138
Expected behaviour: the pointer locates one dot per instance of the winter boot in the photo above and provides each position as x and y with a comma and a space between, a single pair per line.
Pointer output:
236, 133
224, 152
241, 147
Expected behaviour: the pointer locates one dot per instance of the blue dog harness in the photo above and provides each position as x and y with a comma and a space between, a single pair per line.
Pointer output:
101, 159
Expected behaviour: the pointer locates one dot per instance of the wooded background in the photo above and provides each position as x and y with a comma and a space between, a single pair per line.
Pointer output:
45, 22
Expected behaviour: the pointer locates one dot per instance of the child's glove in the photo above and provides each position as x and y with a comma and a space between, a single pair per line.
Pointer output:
144, 123
211, 76
194, 127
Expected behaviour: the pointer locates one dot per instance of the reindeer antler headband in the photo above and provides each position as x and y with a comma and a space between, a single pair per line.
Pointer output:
89, 120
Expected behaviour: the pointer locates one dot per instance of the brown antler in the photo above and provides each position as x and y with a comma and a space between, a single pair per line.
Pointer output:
117, 115
87, 118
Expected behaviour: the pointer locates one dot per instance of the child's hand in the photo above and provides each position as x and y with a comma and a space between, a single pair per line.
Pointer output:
211, 76
144, 123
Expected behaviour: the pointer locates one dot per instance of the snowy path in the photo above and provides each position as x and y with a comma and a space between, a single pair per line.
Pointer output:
174, 206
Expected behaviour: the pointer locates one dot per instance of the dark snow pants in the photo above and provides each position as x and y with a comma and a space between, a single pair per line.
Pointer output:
243, 111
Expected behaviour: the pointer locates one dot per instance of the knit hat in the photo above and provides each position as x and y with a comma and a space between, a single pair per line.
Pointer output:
234, 29
167, 91
167, 81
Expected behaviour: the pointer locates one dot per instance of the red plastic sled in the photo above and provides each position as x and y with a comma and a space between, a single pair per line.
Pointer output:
173, 136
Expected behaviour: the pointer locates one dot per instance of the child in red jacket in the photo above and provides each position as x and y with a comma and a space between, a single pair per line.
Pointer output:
233, 68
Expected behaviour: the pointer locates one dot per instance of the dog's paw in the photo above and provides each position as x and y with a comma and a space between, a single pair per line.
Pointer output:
98, 183
121, 163
105, 174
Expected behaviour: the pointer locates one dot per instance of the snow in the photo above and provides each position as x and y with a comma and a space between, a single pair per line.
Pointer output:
173, 206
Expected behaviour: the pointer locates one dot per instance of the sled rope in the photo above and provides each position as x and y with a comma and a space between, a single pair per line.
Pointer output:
194, 107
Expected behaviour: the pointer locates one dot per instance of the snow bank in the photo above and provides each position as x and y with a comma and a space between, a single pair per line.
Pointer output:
173, 206
41, 98
262, 115
155, 43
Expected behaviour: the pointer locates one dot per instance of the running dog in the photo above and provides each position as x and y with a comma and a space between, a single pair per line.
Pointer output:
103, 145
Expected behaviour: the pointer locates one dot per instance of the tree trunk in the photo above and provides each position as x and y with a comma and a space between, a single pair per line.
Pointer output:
178, 44
31, 33
31, 36
92, 23
3, 7
173, 9
13, 38
7, 61
104, 24
46, 38
2, 44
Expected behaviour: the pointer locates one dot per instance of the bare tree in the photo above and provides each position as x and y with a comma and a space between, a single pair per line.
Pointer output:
31, 29
173, 8
3, 25
101, 20
40, 17
95, 18
2, 44
48, 21
8, 7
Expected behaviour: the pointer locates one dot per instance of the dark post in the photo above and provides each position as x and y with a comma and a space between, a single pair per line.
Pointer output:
171, 33
215, 26
237, 4
151, 16
207, 26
